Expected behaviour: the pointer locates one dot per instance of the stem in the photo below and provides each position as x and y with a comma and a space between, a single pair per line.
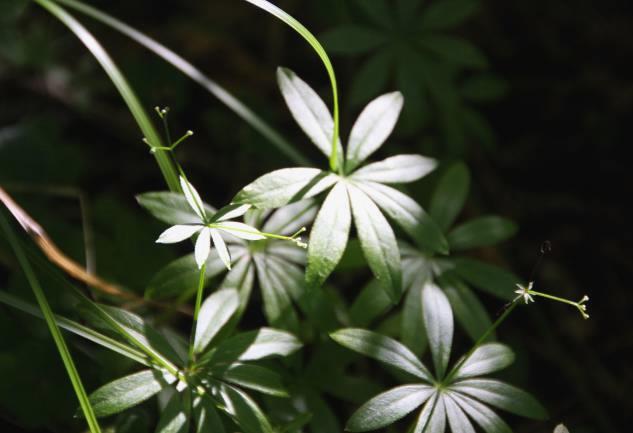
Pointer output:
481, 340
62, 348
554, 298
196, 311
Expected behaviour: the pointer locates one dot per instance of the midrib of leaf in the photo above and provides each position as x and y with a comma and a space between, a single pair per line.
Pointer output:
318, 48
140, 116
62, 348
196, 75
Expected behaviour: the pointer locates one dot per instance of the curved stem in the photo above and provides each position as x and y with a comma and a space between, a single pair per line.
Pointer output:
196, 311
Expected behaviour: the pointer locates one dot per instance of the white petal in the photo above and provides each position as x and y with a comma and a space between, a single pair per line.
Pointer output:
220, 246
203, 246
241, 230
234, 213
176, 234
193, 198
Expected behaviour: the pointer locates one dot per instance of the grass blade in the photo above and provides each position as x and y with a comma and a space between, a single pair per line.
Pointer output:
53, 328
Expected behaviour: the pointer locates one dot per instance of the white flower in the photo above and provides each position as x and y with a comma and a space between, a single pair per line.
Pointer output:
525, 292
209, 227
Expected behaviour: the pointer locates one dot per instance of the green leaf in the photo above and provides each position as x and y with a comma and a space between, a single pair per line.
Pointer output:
253, 377
243, 410
352, 39
445, 14
372, 77
254, 345
487, 358
455, 50
503, 396
480, 232
449, 195
308, 110
468, 310
373, 126
412, 329
370, 304
240, 278
378, 11
383, 349
490, 278
388, 407
170, 207
396, 169
438, 322
324, 420
378, 242
483, 416
126, 392
281, 187
215, 312
174, 418
206, 417
432, 418
328, 236
289, 219
278, 305
560, 428
456, 417
408, 215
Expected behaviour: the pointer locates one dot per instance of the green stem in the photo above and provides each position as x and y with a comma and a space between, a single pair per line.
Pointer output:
230, 101
481, 340
553, 298
62, 348
117, 78
196, 311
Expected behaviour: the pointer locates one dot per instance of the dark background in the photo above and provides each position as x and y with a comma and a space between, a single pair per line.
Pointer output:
557, 166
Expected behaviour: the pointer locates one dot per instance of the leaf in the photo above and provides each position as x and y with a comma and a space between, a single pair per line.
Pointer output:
388, 407
378, 242
277, 303
481, 232
432, 418
206, 417
178, 233
283, 186
383, 349
328, 236
254, 345
193, 198
241, 230
445, 14
455, 50
456, 417
449, 195
483, 416
324, 420
309, 111
174, 418
438, 322
170, 207
289, 219
220, 247
243, 410
372, 77
396, 169
412, 329
408, 215
492, 279
373, 126
253, 377
503, 396
230, 212
407, 8
351, 39
240, 278
468, 310
203, 247
560, 428
487, 358
215, 312
370, 304
126, 392
378, 11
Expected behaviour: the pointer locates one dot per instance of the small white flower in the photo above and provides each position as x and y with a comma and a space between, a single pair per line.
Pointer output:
525, 292
209, 228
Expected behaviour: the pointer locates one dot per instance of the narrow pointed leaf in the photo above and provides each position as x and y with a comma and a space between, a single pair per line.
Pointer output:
206, 417
177, 233
193, 198
351, 39
490, 278
254, 345
173, 418
241, 230
378, 242
243, 410
374, 125
503, 396
280, 187
231, 211
457, 51
388, 407
220, 247
445, 14
372, 76
240, 278
560, 428
203, 247
457, 419
126, 392
329, 236
408, 215
481, 232
449, 195
378, 11
468, 309
438, 322
288, 219
432, 419
412, 332
396, 169
253, 377
171, 207
278, 305
370, 304
488, 358
215, 312
486, 418
308, 110
383, 349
